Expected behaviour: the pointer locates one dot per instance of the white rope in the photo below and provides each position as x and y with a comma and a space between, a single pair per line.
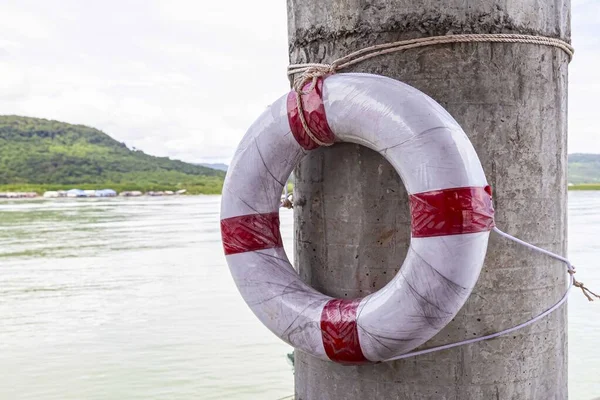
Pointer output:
572, 281
308, 72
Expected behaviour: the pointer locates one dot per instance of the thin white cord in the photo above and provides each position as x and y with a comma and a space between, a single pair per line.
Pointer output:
532, 247
571, 271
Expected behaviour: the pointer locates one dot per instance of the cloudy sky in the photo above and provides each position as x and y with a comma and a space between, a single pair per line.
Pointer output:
183, 78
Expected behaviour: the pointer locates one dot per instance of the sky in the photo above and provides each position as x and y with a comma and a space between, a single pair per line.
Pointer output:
186, 78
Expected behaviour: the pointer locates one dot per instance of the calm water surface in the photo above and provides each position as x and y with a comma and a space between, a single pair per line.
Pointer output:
132, 299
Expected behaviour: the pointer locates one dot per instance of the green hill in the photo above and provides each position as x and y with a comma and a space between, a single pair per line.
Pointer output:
584, 168
38, 154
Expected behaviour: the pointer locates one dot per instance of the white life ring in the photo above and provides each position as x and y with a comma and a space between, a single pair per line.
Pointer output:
451, 209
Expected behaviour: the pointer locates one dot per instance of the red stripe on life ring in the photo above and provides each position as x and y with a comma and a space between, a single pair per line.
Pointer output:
250, 233
314, 114
340, 331
452, 211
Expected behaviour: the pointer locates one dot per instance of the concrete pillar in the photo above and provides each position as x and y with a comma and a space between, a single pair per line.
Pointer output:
352, 221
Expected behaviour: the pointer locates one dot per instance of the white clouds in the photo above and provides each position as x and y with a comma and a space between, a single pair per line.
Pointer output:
7, 44
584, 81
15, 21
166, 76
185, 78
14, 84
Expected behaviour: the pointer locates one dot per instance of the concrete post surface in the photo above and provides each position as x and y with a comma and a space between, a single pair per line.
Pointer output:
352, 219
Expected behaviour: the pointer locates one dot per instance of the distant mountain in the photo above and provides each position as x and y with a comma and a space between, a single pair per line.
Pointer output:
584, 168
40, 151
217, 166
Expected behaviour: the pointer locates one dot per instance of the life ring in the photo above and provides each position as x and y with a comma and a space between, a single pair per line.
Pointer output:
451, 209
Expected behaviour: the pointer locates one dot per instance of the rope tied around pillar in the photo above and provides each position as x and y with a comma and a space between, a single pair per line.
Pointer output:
578, 284
311, 72
287, 203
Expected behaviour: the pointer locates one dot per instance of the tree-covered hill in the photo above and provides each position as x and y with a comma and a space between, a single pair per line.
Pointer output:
39, 152
584, 168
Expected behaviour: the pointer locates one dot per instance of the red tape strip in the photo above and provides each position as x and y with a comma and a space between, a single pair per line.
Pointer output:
452, 211
314, 114
340, 332
250, 233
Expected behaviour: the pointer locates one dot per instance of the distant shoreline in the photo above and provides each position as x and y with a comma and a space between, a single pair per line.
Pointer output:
87, 194
40, 189
190, 190
585, 186
92, 199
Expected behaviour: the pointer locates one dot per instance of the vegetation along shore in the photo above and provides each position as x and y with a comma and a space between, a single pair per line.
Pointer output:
39, 155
